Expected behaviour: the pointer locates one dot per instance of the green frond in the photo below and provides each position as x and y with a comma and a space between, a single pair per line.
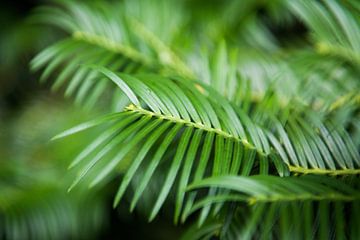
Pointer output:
206, 231
335, 28
312, 143
308, 207
209, 104
198, 121
229, 138
277, 189
120, 42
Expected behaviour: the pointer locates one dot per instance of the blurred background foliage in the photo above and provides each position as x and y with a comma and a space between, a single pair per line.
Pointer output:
34, 179
272, 41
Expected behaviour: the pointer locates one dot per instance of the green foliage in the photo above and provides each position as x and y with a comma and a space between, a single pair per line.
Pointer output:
216, 103
304, 207
40, 209
33, 181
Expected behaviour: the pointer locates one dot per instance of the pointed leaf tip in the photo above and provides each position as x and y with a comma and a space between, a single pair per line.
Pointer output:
118, 81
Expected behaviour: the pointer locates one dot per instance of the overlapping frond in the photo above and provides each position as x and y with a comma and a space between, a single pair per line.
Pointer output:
208, 137
246, 76
308, 207
172, 112
311, 137
251, 112
313, 144
334, 27
305, 128
126, 37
